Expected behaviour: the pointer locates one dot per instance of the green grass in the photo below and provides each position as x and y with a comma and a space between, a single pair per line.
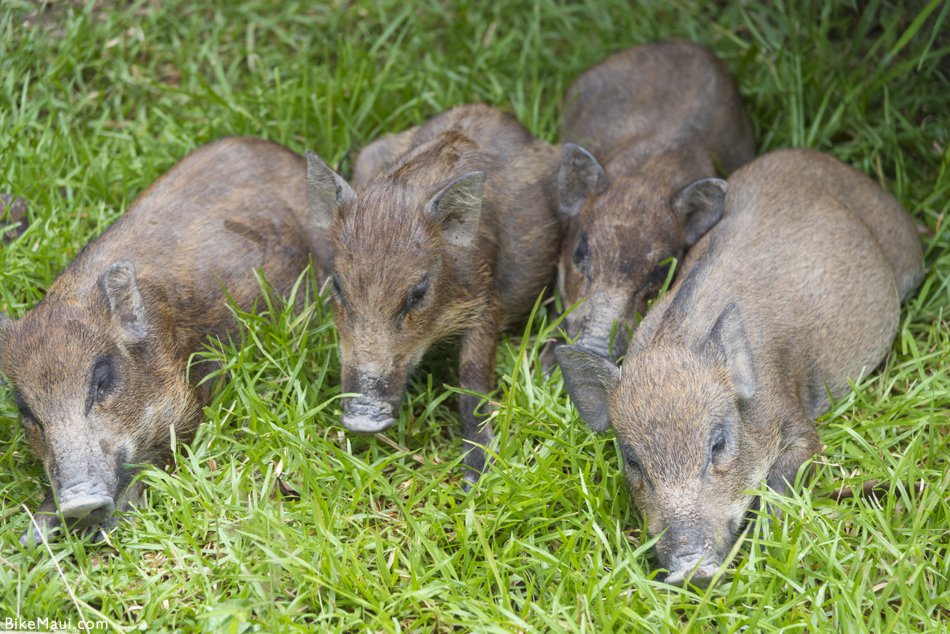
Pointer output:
274, 518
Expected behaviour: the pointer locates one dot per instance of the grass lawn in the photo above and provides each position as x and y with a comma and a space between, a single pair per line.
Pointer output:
274, 518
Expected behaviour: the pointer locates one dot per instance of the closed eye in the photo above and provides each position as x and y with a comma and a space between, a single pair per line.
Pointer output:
102, 381
660, 274
721, 447
718, 442
415, 295
26, 414
581, 257
338, 290
631, 462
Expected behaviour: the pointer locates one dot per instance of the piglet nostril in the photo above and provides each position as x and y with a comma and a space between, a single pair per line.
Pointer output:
87, 509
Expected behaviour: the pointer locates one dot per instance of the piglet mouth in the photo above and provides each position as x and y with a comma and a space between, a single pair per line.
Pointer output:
602, 343
367, 415
693, 570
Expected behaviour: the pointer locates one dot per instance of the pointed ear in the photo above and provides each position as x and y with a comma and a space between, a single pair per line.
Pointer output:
700, 205
458, 206
125, 301
326, 191
728, 343
589, 379
579, 178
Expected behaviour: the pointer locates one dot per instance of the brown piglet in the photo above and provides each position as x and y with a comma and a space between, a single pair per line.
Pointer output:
793, 294
100, 367
452, 231
646, 131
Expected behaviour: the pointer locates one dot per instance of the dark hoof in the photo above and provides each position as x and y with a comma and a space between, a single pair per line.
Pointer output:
469, 480
547, 358
41, 528
97, 534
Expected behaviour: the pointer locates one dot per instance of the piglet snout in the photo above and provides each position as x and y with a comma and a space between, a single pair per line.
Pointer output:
87, 510
367, 415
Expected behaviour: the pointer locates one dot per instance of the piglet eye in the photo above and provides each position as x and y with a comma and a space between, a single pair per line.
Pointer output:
717, 443
416, 294
26, 414
581, 253
660, 273
657, 276
337, 288
103, 379
631, 462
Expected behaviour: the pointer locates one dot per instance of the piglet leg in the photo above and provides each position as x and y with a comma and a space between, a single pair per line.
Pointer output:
476, 370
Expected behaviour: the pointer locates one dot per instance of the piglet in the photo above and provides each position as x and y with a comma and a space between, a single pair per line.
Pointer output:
452, 231
793, 294
647, 131
100, 367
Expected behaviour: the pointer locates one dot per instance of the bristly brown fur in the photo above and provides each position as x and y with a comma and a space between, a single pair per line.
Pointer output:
795, 292
227, 210
658, 117
386, 241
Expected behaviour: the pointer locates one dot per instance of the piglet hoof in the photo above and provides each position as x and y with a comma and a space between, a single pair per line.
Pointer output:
547, 359
469, 480
475, 464
42, 527
98, 534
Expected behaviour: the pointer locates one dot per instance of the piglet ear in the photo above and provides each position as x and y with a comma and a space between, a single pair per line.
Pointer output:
579, 177
589, 379
700, 205
458, 206
125, 301
326, 191
728, 343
